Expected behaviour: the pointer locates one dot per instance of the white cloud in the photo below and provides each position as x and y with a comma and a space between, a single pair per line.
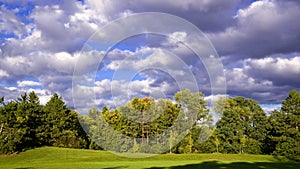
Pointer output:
56, 29
278, 71
213, 98
3, 73
46, 63
263, 28
27, 83
268, 108
51, 50
177, 37
44, 95
10, 23
276, 66
116, 93
157, 65
239, 80
149, 58
12, 88
267, 80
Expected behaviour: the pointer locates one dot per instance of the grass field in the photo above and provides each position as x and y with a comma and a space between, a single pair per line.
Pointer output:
61, 158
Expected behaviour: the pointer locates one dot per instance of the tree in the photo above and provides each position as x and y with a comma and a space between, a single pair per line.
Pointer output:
242, 127
285, 132
18, 123
173, 135
195, 119
28, 118
217, 143
10, 137
144, 109
61, 125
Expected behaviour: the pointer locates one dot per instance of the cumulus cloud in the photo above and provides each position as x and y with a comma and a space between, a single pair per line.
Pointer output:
264, 28
267, 80
42, 63
281, 71
204, 14
177, 37
10, 23
113, 93
26, 83
56, 28
3, 73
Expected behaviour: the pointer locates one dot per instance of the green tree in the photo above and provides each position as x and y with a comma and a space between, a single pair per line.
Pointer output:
217, 143
61, 125
28, 113
145, 108
285, 132
242, 127
10, 137
18, 123
193, 110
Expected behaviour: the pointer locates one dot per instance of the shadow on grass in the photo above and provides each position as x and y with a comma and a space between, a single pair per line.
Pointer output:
237, 165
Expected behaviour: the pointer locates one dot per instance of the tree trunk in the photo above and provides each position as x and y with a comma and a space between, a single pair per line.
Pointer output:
1, 129
143, 127
148, 136
143, 132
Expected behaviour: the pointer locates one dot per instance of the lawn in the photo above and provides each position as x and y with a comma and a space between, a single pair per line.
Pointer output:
61, 158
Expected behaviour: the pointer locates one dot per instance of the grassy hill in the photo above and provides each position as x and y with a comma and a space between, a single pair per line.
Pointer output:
61, 158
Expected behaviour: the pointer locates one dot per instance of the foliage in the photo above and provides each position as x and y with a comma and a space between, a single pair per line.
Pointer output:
138, 126
242, 127
285, 130
25, 124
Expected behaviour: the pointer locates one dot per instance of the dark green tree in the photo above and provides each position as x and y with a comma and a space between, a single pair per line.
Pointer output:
285, 131
19, 121
61, 125
242, 128
10, 136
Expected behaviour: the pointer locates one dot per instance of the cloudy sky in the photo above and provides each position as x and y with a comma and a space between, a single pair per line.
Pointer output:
43, 42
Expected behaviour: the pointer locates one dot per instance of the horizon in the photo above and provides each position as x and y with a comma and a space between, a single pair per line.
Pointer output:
41, 42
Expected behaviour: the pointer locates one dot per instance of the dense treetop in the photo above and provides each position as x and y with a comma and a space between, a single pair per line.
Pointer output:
142, 123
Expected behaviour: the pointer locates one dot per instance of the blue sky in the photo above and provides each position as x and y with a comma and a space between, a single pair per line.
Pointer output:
42, 41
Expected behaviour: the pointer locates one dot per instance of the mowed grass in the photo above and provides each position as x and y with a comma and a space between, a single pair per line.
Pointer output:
61, 158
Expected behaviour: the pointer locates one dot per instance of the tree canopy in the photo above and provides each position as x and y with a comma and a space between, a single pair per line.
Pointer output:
146, 125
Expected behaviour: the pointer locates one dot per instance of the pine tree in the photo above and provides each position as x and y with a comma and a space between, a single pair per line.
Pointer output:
285, 132
242, 127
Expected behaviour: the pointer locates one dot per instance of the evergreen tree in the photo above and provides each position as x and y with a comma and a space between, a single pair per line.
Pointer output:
19, 121
285, 132
242, 128
61, 125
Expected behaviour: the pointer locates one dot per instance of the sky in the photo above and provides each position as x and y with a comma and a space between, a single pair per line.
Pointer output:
43, 44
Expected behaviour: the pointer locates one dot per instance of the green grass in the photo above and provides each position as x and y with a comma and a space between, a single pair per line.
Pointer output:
61, 158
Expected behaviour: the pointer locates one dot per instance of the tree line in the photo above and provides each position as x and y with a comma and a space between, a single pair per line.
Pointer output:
26, 124
145, 125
